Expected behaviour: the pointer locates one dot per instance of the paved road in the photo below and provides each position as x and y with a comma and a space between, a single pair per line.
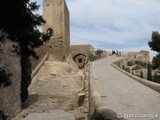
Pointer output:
124, 95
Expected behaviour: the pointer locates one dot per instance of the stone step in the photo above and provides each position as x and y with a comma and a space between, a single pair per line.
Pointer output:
53, 115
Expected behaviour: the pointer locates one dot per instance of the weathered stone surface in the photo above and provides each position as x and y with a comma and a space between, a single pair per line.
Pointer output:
80, 60
79, 100
85, 49
55, 85
72, 63
105, 114
56, 115
10, 103
59, 43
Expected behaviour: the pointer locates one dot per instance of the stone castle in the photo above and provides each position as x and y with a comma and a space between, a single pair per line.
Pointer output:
56, 14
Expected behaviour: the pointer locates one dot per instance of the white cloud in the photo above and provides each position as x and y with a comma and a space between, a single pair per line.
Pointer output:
114, 21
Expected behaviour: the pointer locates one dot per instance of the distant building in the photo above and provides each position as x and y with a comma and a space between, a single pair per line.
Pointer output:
142, 55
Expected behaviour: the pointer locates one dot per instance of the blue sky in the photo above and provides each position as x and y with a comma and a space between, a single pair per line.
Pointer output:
124, 25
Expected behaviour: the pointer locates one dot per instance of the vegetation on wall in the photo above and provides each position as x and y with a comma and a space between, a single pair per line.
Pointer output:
96, 55
21, 24
141, 75
156, 78
149, 72
92, 57
98, 52
130, 63
141, 63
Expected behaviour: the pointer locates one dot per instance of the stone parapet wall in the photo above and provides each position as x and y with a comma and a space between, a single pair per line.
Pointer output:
150, 84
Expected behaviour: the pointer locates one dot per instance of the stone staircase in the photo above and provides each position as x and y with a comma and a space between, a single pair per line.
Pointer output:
53, 115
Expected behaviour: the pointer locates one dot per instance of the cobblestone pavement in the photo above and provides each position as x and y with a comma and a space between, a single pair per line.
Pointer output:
124, 95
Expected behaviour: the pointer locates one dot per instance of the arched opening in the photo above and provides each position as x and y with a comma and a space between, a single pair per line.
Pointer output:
80, 60
50, 32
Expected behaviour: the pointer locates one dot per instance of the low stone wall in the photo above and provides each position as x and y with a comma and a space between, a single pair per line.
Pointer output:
35, 71
94, 96
150, 84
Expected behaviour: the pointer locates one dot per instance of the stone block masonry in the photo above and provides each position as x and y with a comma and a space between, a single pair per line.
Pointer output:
10, 103
56, 14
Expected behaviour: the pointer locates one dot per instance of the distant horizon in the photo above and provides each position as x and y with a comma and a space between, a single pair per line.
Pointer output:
151, 53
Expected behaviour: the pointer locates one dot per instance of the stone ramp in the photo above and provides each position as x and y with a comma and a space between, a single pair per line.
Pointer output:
54, 115
57, 86
124, 95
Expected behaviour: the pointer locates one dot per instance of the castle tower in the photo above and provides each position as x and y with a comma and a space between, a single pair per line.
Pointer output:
56, 14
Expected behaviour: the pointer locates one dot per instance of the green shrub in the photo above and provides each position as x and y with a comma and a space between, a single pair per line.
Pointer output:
130, 63
92, 57
136, 68
127, 70
149, 72
156, 78
141, 63
123, 67
141, 75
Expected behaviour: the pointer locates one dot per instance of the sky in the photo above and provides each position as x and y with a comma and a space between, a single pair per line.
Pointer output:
124, 25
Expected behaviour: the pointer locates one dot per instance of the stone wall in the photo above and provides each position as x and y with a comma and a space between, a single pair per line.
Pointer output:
56, 14
80, 54
10, 103
67, 29
41, 52
84, 49
142, 55
150, 84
